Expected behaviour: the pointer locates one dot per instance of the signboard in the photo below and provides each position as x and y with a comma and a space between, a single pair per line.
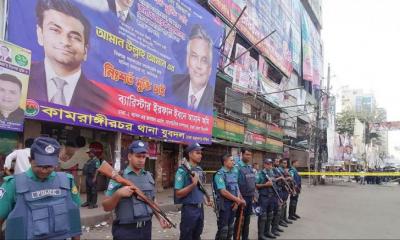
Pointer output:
254, 139
15, 63
259, 19
257, 127
245, 71
267, 86
228, 130
384, 126
149, 70
274, 145
275, 131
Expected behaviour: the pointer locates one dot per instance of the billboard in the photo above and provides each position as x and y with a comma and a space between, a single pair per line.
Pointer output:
15, 63
148, 69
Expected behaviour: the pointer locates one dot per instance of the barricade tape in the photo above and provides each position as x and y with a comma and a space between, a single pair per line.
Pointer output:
364, 174
379, 174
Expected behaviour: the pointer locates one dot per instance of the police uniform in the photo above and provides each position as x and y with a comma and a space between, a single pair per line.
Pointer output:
133, 217
36, 208
284, 197
89, 170
226, 179
278, 210
294, 199
268, 202
247, 186
192, 212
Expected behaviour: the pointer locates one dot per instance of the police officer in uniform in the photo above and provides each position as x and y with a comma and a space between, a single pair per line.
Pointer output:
90, 172
41, 203
133, 217
267, 199
283, 194
247, 186
285, 171
188, 194
228, 197
294, 199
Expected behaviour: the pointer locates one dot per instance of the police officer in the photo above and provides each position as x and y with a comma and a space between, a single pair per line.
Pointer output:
228, 197
285, 171
188, 194
133, 217
294, 199
41, 203
247, 186
278, 208
90, 172
267, 199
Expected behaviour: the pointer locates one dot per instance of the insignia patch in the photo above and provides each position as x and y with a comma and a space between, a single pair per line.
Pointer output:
49, 149
74, 190
141, 144
2, 192
110, 186
221, 180
179, 178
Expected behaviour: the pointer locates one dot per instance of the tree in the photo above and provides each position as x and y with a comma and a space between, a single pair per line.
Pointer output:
345, 122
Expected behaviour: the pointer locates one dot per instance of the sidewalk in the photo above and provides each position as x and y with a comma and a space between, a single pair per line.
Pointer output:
90, 217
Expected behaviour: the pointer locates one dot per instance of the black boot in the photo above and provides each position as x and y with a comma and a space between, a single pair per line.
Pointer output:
231, 229
294, 211
275, 223
285, 219
268, 226
262, 222
222, 234
291, 212
282, 223
246, 226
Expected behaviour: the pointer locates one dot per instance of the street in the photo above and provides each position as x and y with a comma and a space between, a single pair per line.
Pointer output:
333, 211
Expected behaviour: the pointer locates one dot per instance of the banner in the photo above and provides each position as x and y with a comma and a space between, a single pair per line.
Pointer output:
274, 145
227, 52
384, 126
255, 140
267, 86
245, 71
228, 130
257, 126
259, 19
275, 131
147, 69
15, 63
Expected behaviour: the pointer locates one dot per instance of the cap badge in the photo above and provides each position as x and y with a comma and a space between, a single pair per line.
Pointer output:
141, 144
49, 149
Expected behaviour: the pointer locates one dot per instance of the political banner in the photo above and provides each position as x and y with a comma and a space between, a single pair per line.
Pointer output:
144, 67
15, 63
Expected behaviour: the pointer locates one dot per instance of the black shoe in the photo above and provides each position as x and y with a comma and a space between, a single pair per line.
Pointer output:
283, 224
85, 204
292, 218
269, 235
287, 221
277, 234
279, 229
297, 216
93, 206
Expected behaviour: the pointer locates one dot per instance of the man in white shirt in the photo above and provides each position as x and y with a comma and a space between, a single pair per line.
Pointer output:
21, 158
122, 9
64, 32
192, 90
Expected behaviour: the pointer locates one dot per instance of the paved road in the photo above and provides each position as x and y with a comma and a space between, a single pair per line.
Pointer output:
335, 211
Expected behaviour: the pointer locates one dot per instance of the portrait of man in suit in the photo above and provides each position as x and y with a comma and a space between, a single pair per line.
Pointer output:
122, 8
10, 97
63, 32
5, 53
193, 89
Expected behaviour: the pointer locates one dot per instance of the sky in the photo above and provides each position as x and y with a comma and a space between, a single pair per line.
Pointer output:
362, 44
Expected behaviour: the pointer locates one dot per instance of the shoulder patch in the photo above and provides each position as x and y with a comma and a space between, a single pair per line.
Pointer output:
8, 178
2, 192
74, 190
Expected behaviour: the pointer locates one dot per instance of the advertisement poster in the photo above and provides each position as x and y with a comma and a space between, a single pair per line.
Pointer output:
15, 63
227, 51
147, 69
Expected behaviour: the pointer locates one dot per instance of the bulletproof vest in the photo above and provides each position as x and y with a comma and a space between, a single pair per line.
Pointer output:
267, 191
89, 169
130, 209
247, 181
231, 184
296, 176
43, 210
195, 196
277, 173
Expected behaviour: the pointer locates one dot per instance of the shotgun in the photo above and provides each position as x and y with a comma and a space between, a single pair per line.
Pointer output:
273, 187
240, 225
109, 172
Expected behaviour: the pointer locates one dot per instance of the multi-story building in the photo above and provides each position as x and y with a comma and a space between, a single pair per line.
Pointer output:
263, 100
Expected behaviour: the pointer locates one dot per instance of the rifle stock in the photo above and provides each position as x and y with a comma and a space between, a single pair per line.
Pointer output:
111, 173
240, 225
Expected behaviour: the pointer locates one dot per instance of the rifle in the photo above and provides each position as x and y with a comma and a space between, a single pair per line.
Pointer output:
239, 230
199, 184
274, 188
216, 210
109, 172
287, 186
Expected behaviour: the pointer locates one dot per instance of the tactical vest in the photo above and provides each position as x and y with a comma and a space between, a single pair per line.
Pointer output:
89, 169
247, 181
130, 209
43, 210
195, 196
231, 185
277, 173
266, 191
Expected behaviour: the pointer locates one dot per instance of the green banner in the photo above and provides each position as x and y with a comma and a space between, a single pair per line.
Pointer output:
275, 132
256, 129
273, 148
234, 137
